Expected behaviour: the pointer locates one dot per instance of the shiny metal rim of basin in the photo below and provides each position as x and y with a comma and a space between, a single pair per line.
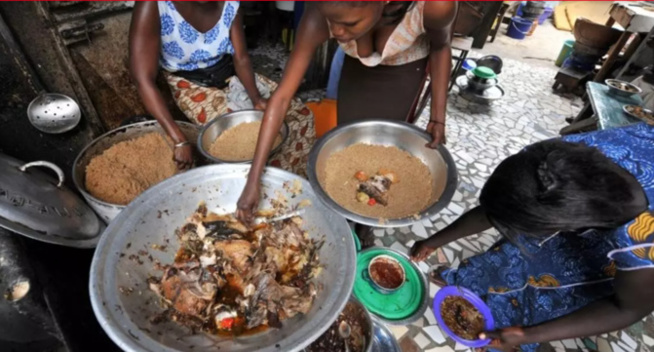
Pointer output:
383, 340
444, 199
237, 118
425, 297
155, 214
81, 161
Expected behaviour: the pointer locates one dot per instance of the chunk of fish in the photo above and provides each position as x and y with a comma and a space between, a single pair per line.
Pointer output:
237, 251
377, 188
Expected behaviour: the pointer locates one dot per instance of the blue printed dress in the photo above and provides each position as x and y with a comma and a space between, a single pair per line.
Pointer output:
555, 276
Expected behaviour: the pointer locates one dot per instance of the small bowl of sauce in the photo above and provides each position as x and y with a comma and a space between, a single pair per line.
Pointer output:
386, 273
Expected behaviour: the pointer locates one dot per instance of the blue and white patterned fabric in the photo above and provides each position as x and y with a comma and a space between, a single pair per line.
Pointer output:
184, 48
550, 278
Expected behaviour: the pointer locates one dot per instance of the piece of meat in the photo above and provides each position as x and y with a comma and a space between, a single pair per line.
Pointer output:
184, 294
257, 311
377, 188
296, 304
286, 235
275, 256
275, 297
238, 252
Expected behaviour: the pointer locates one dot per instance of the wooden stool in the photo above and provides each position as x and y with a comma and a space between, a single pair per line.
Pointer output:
464, 45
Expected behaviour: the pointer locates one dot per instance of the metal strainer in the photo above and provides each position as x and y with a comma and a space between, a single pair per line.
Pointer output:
54, 113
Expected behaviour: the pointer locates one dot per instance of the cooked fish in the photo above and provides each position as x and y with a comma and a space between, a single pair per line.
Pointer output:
377, 188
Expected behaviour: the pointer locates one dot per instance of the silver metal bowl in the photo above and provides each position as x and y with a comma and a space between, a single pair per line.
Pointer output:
383, 339
649, 120
54, 113
108, 211
388, 133
615, 88
153, 217
212, 130
367, 325
366, 320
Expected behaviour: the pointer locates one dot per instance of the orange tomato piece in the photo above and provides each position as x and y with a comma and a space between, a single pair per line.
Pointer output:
361, 176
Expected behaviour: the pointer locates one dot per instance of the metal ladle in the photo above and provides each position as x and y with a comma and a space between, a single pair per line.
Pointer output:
344, 330
54, 113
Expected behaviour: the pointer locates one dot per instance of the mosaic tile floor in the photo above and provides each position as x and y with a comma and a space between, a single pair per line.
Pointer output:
479, 137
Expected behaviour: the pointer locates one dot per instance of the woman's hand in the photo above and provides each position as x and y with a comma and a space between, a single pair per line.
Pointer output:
437, 131
248, 203
260, 103
507, 339
421, 250
183, 157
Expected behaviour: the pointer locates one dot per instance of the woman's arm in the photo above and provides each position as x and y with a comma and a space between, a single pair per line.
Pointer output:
631, 302
144, 43
311, 33
242, 63
438, 21
470, 223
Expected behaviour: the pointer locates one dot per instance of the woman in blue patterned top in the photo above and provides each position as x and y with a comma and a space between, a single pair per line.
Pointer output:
577, 258
201, 46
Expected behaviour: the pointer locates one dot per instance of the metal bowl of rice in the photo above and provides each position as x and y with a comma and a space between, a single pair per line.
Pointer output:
403, 136
217, 127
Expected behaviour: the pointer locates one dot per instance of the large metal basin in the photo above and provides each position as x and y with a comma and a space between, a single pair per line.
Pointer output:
388, 133
106, 210
154, 216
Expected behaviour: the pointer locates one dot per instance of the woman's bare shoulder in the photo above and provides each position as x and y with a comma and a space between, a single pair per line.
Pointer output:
439, 14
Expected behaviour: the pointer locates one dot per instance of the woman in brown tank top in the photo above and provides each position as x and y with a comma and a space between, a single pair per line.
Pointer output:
388, 46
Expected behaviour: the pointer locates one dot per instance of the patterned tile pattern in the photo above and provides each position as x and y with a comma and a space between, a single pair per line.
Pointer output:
479, 137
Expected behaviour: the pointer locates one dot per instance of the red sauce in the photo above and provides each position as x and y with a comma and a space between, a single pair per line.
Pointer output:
386, 273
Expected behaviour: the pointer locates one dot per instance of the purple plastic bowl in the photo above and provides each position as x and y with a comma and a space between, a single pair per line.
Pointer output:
476, 302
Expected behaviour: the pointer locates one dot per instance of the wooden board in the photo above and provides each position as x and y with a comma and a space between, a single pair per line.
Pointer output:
596, 11
560, 18
566, 13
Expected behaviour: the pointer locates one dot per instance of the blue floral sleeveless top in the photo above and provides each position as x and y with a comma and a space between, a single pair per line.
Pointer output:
184, 48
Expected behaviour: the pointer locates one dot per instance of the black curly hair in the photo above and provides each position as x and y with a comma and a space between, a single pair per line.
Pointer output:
556, 186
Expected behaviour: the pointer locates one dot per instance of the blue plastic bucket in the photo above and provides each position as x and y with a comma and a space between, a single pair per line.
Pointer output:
546, 14
519, 27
